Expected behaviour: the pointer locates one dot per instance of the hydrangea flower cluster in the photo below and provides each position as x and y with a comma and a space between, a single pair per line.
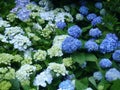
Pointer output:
96, 21
83, 10
74, 31
91, 46
98, 5
112, 74
40, 55
116, 55
59, 69
105, 63
4, 23
66, 85
15, 36
97, 75
71, 44
95, 32
109, 44
24, 72
23, 14
91, 16
43, 78
61, 25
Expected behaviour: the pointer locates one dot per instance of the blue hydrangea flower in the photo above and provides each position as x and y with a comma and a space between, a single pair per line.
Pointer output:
112, 74
96, 21
105, 63
118, 44
23, 14
97, 75
83, 10
22, 3
116, 55
95, 32
70, 45
66, 85
61, 25
91, 16
108, 45
74, 31
112, 36
98, 5
91, 46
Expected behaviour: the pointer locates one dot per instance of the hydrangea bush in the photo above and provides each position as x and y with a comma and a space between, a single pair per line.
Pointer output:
59, 45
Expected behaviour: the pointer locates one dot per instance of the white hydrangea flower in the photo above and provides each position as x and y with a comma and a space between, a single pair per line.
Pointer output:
10, 32
58, 68
59, 39
4, 23
62, 16
40, 55
20, 42
25, 71
43, 78
49, 15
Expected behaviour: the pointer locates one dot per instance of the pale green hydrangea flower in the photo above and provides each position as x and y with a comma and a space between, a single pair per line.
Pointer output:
40, 55
7, 73
5, 85
68, 61
24, 72
55, 51
58, 68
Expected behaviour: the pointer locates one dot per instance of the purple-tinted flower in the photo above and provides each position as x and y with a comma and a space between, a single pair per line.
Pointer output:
22, 3
105, 63
97, 75
66, 85
83, 10
74, 31
116, 55
91, 16
70, 45
96, 21
95, 32
91, 46
112, 74
61, 25
98, 5
23, 14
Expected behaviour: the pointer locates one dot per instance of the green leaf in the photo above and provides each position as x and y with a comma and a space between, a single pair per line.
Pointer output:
79, 85
92, 81
116, 85
15, 84
79, 57
91, 57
